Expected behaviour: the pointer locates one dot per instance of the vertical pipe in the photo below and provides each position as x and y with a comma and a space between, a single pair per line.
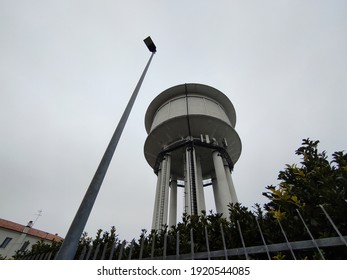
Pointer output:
160, 212
188, 184
68, 248
161, 202
165, 187
199, 186
156, 201
186, 198
173, 203
192, 180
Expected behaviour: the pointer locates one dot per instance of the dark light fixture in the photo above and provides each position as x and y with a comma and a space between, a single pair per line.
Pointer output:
150, 45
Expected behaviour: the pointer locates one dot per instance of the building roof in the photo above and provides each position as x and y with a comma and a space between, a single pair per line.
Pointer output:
5, 224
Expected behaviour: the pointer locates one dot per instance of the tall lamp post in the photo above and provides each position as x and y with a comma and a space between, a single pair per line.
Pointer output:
69, 247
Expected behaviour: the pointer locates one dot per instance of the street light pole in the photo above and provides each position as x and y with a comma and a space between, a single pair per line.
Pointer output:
69, 247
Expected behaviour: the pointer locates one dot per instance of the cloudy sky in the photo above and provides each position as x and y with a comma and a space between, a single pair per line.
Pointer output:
68, 68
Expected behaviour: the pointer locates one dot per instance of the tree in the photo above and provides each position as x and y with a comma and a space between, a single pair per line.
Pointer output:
316, 183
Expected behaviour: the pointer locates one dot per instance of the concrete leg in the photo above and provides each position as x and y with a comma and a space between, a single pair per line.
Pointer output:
160, 212
221, 189
199, 187
155, 218
173, 203
230, 184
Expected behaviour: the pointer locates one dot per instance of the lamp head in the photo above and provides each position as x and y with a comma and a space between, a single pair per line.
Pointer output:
150, 45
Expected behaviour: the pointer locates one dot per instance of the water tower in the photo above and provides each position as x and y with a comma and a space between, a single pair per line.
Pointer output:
191, 143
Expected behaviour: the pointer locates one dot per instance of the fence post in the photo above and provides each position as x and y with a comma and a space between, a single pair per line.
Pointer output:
49, 256
103, 252
89, 252
165, 246
287, 241
262, 237
83, 253
131, 249
309, 232
112, 250
207, 244
96, 252
332, 223
243, 242
153, 243
141, 248
177, 245
121, 250
191, 243
224, 243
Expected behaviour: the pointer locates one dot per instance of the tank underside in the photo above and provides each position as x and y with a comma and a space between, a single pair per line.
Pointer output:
178, 129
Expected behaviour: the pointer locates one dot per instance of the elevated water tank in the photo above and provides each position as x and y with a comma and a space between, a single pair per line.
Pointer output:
191, 131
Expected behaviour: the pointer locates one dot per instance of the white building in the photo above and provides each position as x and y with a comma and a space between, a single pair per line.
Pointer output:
14, 237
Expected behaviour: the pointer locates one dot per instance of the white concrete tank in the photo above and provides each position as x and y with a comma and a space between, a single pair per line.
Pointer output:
191, 138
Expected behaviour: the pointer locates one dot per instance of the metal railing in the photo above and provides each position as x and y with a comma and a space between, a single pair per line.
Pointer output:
132, 250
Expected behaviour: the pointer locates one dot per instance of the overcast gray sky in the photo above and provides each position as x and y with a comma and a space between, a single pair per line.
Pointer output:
68, 68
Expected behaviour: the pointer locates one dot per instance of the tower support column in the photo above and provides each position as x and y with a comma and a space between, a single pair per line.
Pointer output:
231, 185
173, 203
199, 187
160, 212
193, 195
216, 195
188, 184
220, 185
156, 200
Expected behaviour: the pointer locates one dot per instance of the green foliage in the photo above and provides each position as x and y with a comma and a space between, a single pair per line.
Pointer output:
40, 248
305, 187
279, 256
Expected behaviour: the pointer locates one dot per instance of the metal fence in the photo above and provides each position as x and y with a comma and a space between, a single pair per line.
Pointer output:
126, 250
